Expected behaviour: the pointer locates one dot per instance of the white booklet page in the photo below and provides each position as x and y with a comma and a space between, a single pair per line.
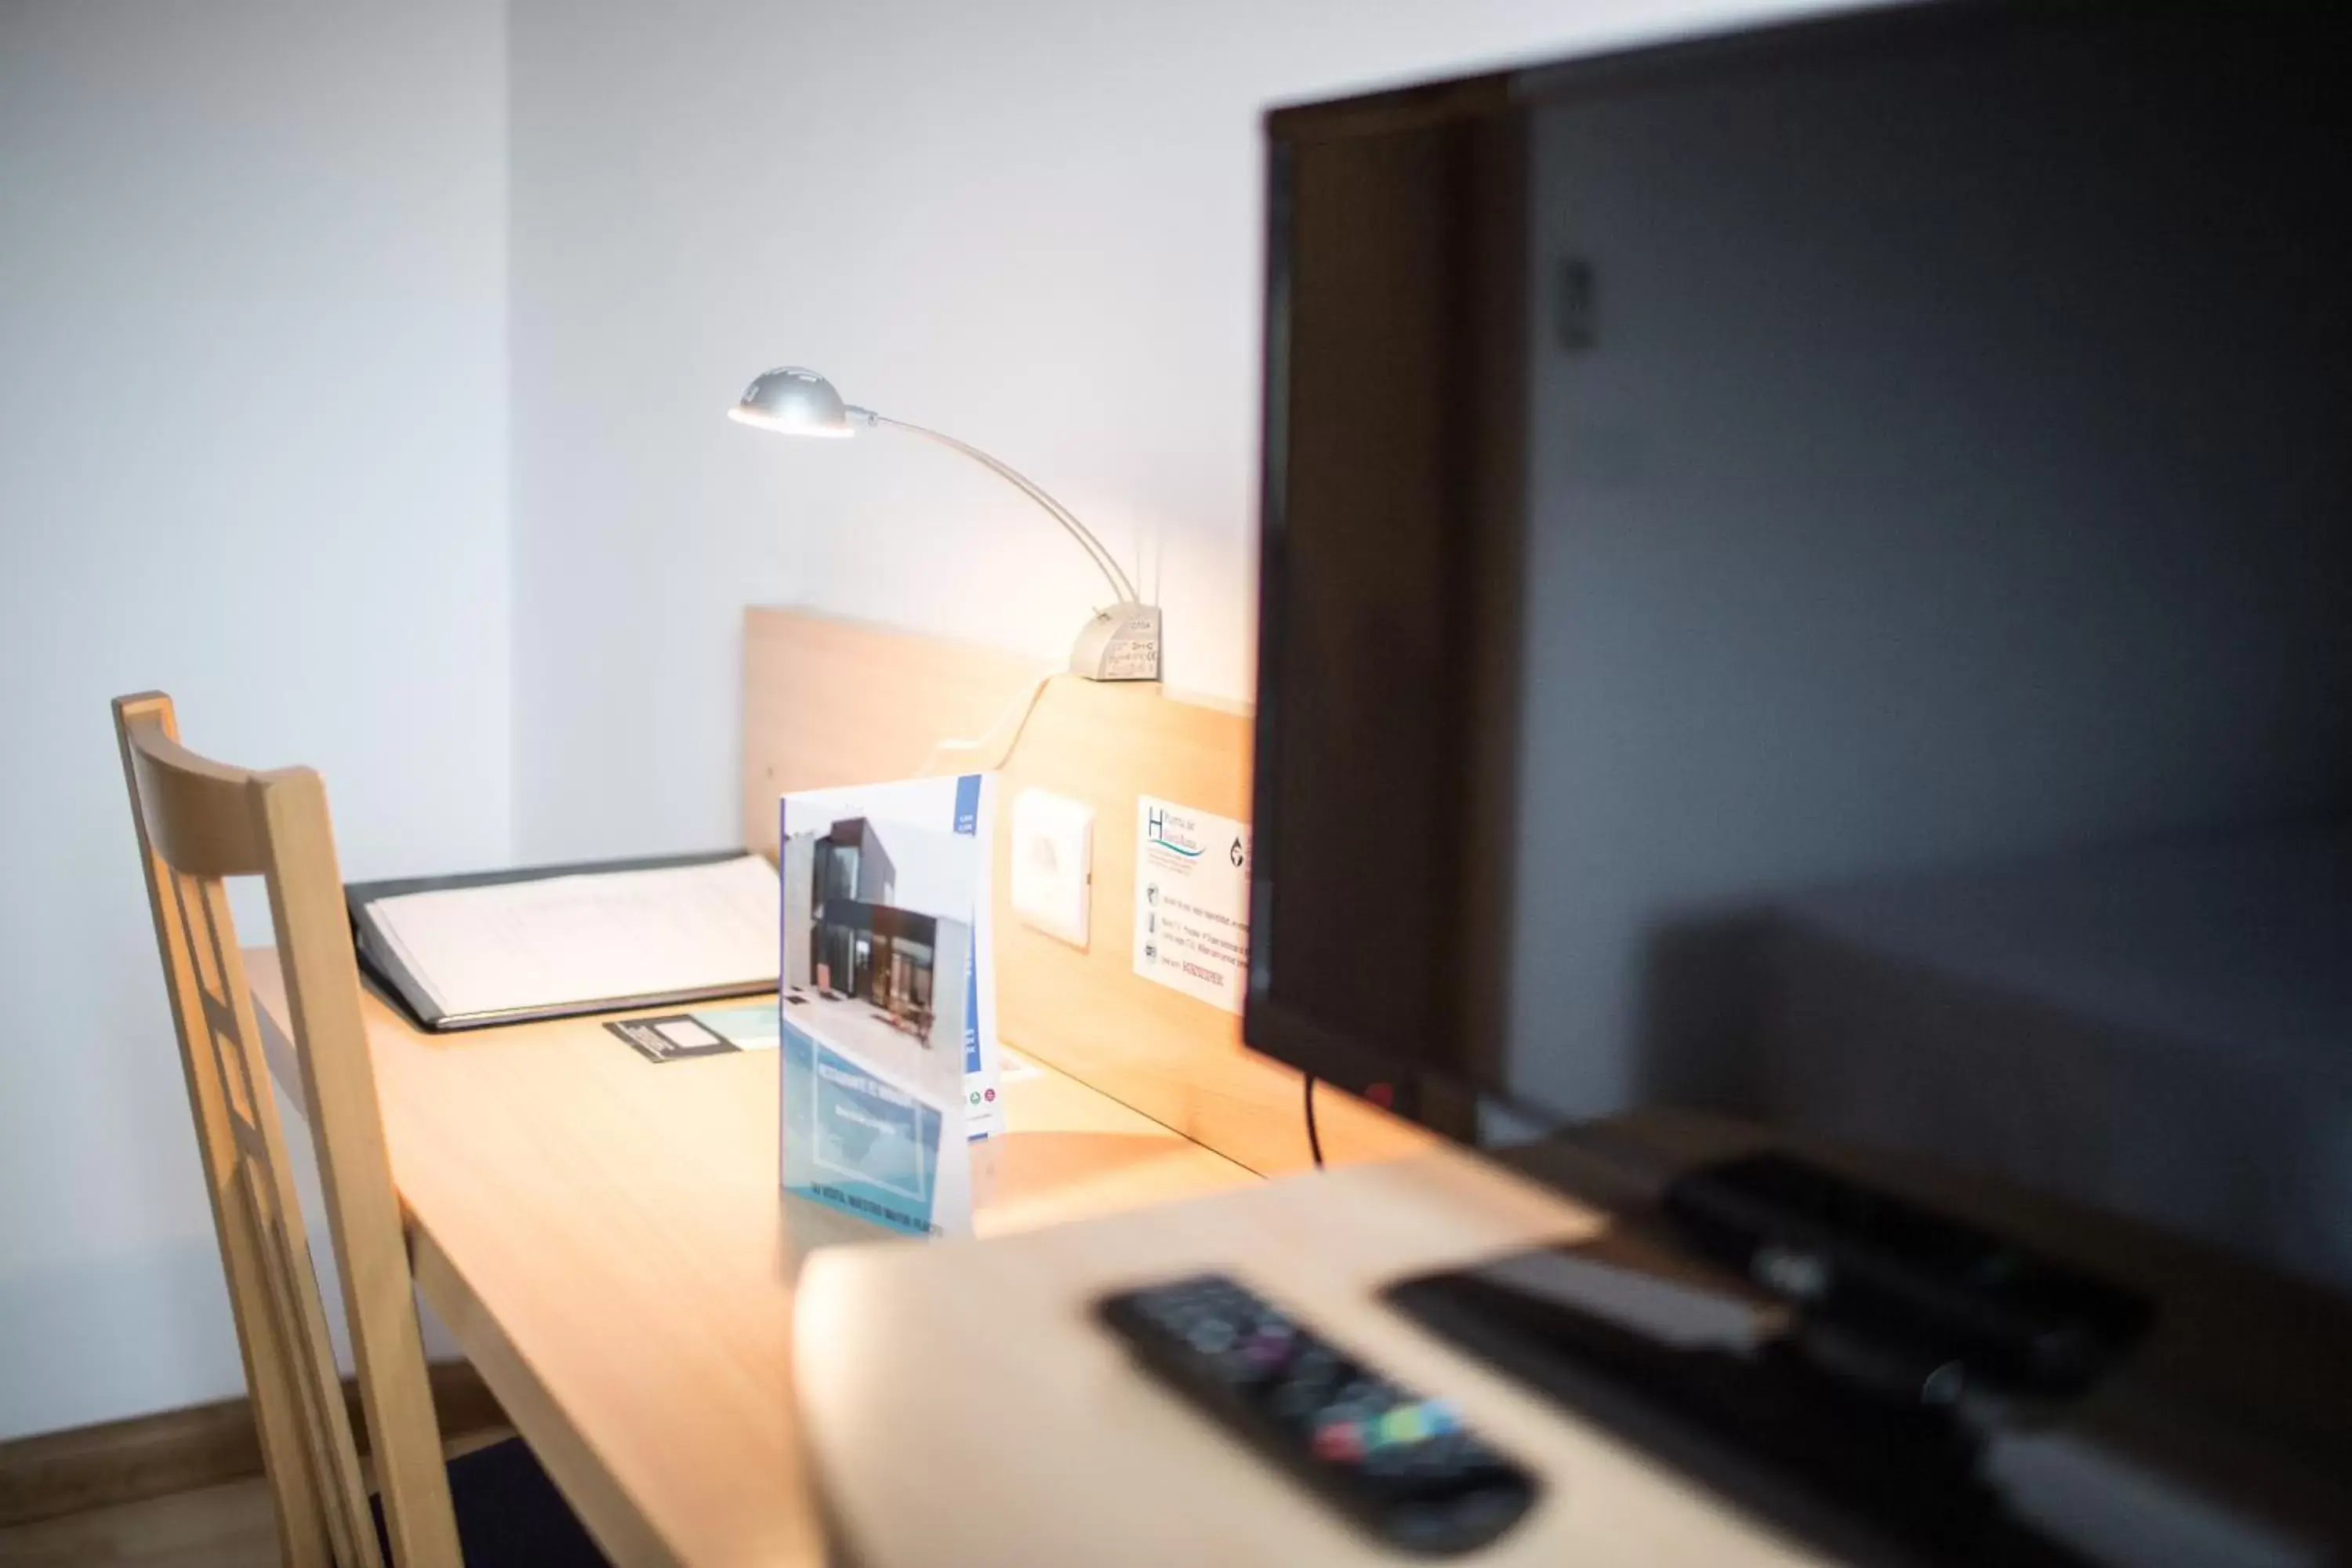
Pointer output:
596, 937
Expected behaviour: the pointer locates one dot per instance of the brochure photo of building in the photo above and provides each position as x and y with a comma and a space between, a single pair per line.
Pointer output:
886, 1063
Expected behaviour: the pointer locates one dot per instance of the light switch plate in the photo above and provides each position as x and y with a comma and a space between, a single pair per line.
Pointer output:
1053, 863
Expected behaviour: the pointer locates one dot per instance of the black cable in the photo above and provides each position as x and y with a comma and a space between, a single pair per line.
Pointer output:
1314, 1143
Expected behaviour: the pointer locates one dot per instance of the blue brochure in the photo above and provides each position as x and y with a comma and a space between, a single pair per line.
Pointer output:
887, 999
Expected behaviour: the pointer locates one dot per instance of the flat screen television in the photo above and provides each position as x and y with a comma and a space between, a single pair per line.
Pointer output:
1806, 581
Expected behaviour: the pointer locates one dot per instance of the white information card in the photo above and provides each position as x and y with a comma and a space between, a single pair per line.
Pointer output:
1191, 901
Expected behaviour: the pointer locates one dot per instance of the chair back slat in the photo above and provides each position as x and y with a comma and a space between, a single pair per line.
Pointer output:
200, 822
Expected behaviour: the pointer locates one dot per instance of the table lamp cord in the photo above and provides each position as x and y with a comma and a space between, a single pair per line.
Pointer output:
1314, 1142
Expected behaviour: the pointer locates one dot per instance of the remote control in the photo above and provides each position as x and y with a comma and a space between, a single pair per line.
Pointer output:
1403, 1467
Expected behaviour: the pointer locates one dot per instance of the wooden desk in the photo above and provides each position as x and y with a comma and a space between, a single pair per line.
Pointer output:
1053, 1450
608, 1241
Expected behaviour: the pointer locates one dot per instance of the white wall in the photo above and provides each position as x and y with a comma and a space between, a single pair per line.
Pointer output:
252, 451
259, 280
1033, 224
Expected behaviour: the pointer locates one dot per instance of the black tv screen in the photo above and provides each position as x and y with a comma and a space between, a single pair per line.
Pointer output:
1807, 576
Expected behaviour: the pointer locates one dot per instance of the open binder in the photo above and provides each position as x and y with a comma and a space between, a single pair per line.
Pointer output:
637, 910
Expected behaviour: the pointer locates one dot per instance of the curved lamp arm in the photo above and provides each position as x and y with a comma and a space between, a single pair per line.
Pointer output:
1093, 547
1119, 642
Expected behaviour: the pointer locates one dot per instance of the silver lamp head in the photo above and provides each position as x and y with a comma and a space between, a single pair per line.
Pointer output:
793, 400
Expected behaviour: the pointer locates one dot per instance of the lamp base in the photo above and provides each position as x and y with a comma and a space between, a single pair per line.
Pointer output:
1121, 643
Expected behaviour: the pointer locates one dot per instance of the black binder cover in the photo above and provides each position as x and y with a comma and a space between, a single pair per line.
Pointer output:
384, 969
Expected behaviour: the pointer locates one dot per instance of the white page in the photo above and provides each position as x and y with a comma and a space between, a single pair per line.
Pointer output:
589, 938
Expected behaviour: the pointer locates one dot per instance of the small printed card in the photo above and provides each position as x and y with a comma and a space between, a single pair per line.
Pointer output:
887, 1017
1191, 901
712, 1032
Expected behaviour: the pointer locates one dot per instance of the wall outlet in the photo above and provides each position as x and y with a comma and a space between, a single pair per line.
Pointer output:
1053, 863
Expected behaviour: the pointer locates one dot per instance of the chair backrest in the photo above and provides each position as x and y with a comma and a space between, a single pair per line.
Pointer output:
200, 823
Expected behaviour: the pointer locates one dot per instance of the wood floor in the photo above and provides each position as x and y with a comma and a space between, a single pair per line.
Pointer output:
224, 1526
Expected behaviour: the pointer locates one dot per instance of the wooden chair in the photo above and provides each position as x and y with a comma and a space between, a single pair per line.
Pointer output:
198, 823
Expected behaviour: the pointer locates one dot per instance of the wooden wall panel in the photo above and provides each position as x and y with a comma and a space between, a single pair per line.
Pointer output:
831, 702
1176, 1059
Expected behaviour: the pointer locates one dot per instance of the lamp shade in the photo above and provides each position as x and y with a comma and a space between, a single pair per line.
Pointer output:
794, 401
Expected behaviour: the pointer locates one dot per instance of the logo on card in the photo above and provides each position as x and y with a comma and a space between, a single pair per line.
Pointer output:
1168, 833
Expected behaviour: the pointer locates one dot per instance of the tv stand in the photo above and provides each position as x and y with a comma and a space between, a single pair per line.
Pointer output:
1869, 1267
1834, 1360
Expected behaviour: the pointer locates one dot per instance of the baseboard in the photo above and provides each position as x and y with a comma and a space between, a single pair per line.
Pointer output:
115, 1462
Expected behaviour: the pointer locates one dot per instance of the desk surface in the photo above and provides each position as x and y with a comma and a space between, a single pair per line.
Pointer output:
1054, 1451
608, 1242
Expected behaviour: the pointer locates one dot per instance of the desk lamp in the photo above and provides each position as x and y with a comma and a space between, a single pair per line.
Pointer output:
1120, 643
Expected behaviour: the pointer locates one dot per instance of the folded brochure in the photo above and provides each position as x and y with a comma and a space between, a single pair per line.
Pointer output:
887, 1014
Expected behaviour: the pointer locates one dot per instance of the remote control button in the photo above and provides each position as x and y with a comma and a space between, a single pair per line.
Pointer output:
1265, 1351
1338, 1442
1211, 1336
